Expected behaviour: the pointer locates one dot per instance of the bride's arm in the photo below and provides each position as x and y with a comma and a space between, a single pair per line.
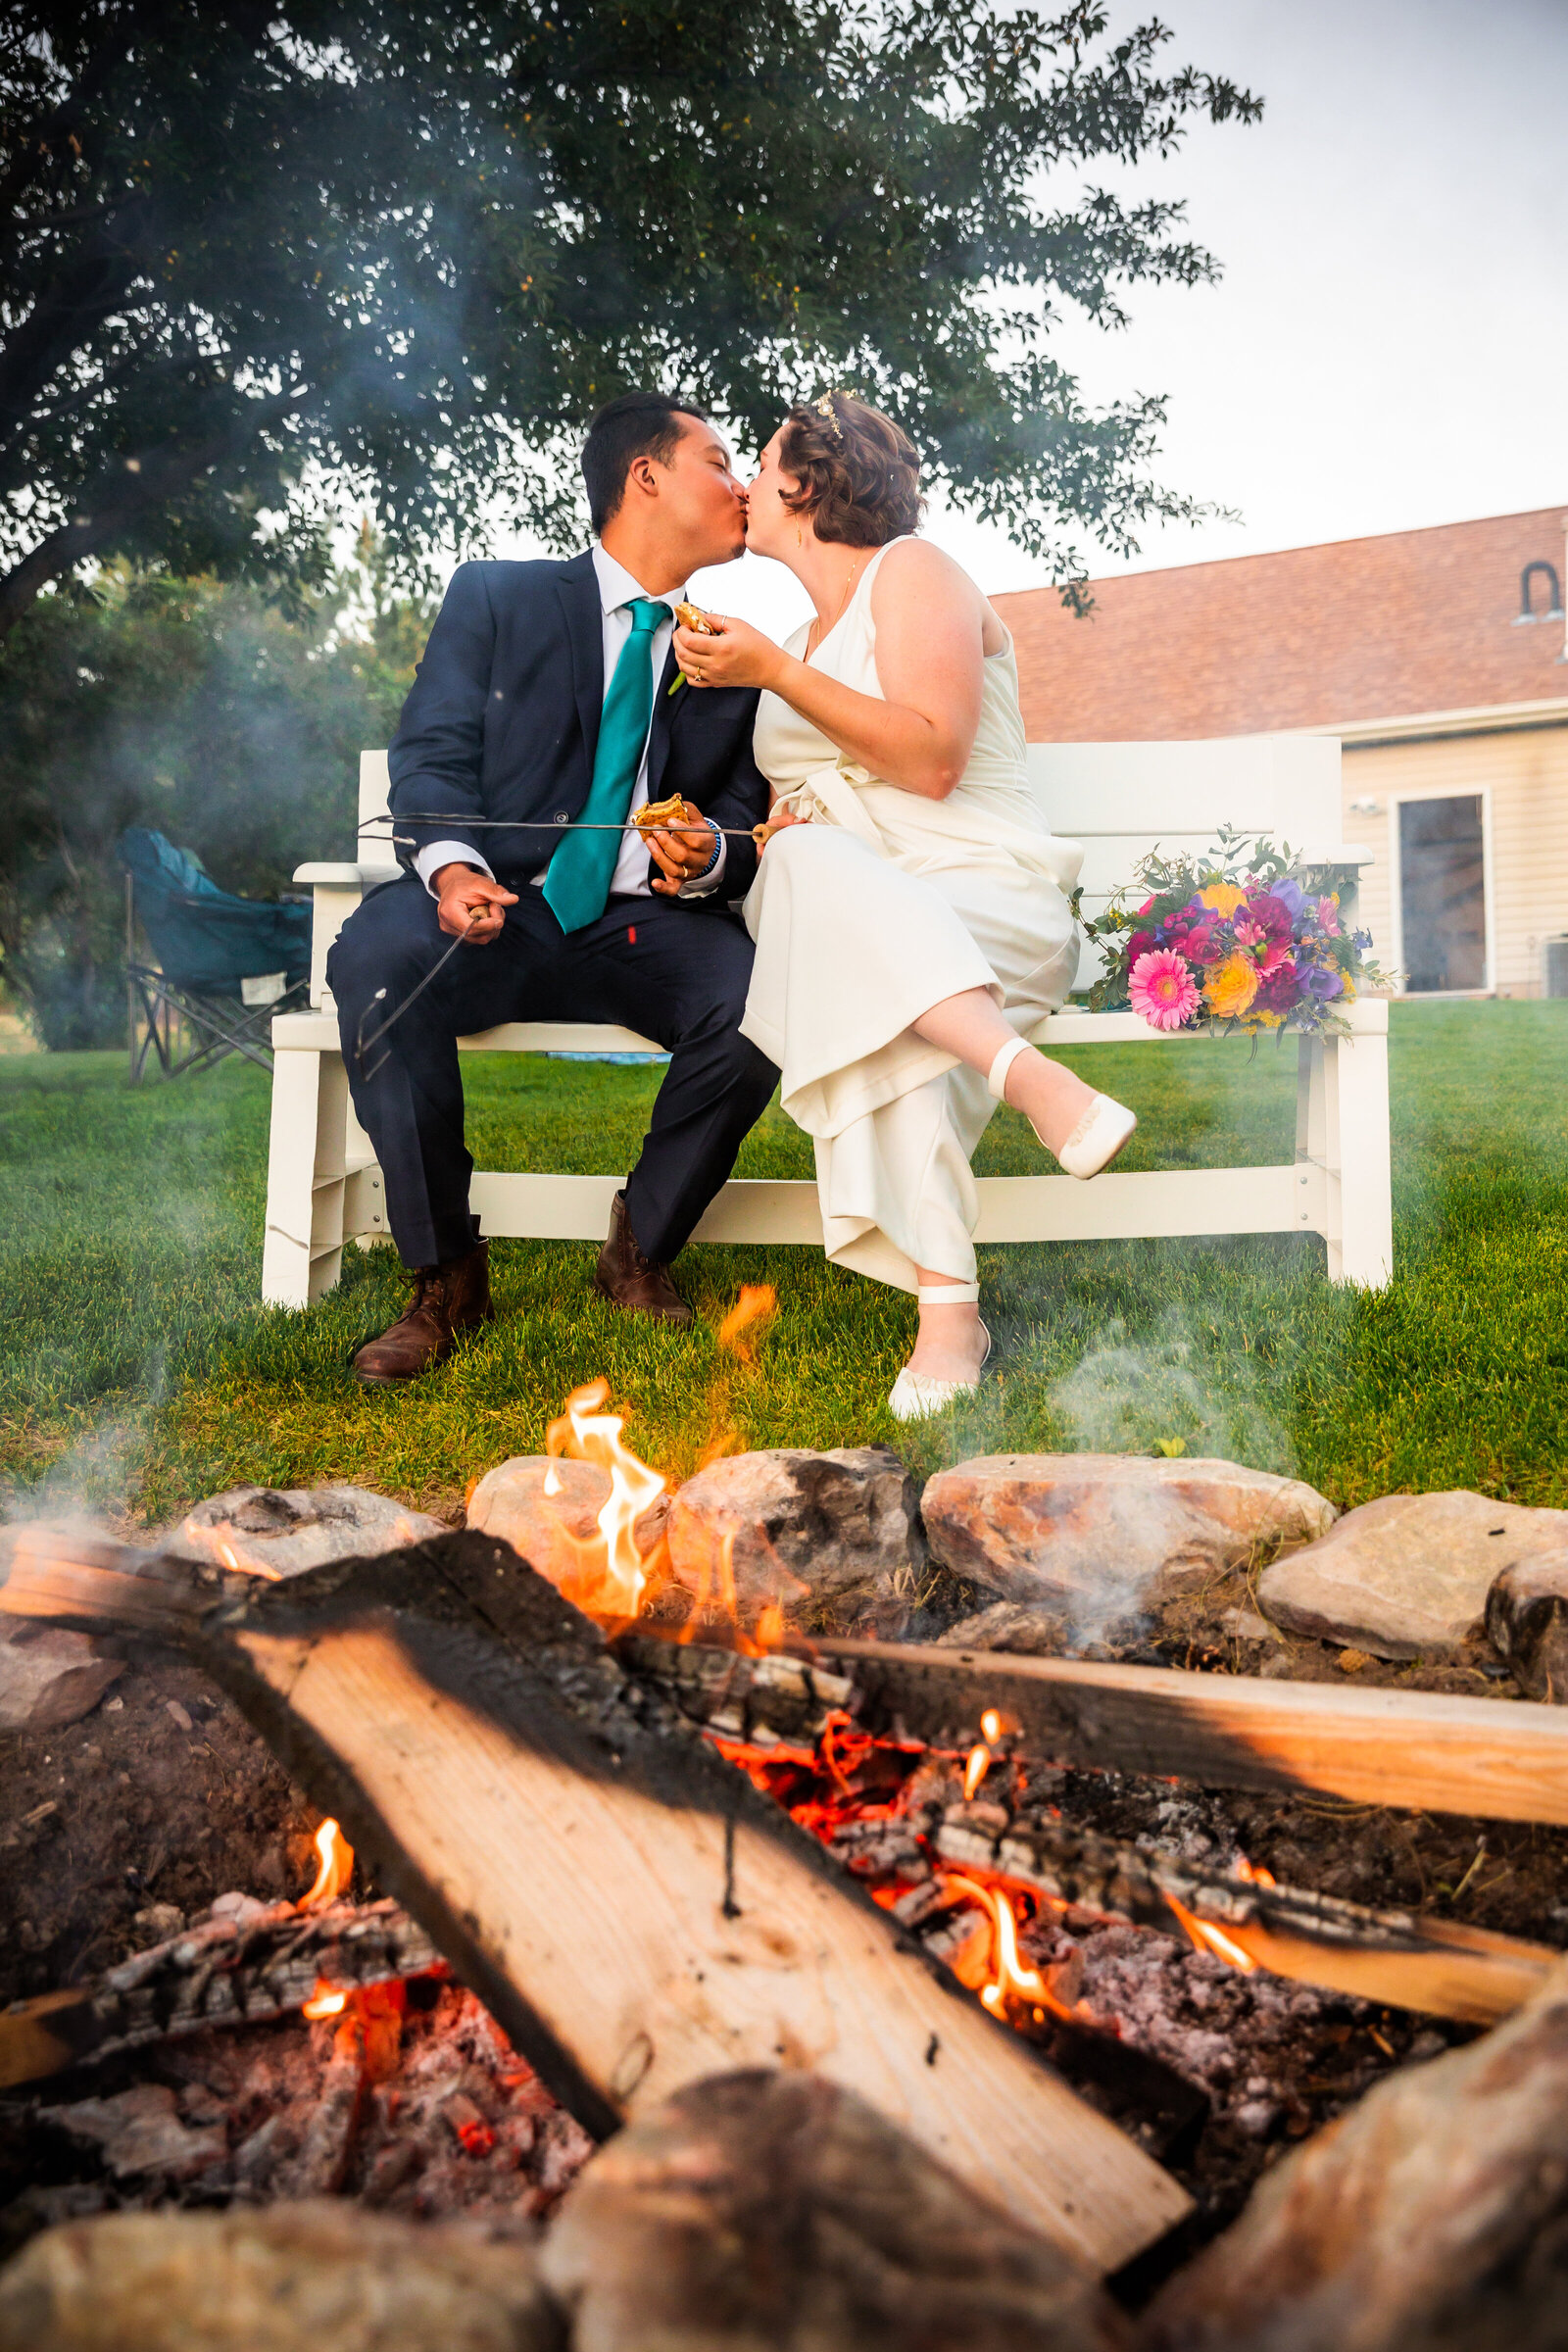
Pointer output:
930, 620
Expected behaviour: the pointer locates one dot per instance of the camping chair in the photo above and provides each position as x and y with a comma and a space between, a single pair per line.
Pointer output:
224, 965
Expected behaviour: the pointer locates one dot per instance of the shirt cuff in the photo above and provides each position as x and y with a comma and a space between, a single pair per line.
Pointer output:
701, 885
437, 853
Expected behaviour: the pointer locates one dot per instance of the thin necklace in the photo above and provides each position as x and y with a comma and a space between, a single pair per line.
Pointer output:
812, 642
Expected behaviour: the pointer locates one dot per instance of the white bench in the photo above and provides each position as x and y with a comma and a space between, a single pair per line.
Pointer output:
324, 1189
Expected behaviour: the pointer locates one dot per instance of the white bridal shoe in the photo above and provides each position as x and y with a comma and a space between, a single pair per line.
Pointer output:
913, 1395
1099, 1135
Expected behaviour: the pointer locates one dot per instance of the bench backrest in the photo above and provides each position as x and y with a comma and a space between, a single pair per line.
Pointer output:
1120, 799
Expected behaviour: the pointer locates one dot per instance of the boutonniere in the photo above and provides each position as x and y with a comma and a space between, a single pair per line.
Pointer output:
679, 683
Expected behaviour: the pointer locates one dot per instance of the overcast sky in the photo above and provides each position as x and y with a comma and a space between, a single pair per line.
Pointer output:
1387, 346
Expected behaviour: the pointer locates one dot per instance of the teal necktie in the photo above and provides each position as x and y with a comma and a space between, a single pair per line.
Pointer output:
577, 884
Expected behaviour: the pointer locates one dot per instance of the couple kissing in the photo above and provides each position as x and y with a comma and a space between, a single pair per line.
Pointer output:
878, 946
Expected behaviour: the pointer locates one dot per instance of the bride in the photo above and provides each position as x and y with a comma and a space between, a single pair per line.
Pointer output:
910, 908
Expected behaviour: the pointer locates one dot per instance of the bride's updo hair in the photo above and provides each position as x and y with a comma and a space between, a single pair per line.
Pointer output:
858, 472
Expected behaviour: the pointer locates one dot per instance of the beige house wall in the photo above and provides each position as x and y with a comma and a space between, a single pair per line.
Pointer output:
1522, 775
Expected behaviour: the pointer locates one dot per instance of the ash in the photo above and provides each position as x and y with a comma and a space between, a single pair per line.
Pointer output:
415, 2105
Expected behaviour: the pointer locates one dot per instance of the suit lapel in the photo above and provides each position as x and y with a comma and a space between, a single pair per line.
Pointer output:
667, 708
577, 587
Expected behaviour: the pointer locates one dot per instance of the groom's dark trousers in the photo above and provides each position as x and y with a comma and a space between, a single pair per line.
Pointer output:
502, 723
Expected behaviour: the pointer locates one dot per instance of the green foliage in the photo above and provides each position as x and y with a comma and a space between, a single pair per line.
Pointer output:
252, 253
140, 1370
191, 706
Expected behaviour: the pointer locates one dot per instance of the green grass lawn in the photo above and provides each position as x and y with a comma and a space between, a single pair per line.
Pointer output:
139, 1372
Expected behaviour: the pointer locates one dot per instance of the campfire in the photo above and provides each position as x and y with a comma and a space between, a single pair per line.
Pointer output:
628, 1831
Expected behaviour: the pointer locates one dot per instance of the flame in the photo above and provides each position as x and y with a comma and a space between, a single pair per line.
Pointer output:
1252, 1872
716, 1596
1012, 1981
756, 1303
991, 1725
221, 1542
977, 1765
612, 1576
336, 1869
325, 2001
1205, 1937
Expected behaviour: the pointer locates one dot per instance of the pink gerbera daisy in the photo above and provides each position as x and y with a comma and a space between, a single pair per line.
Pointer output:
1161, 989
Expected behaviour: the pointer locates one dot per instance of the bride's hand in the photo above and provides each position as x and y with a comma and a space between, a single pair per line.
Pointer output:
782, 816
740, 656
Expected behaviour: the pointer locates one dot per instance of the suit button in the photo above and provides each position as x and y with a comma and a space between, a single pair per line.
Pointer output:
563, 816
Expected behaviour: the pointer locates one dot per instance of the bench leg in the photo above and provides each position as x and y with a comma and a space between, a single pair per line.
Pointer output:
302, 1253
1341, 1142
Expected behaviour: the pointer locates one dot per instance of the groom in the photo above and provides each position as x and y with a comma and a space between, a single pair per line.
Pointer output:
547, 692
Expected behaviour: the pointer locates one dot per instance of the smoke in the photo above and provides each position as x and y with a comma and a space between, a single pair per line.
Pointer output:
89, 1484
1170, 1395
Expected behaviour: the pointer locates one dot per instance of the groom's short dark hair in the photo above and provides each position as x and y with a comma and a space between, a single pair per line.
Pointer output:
639, 424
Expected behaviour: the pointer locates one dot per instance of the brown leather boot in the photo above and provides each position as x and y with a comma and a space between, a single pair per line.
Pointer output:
447, 1299
626, 1278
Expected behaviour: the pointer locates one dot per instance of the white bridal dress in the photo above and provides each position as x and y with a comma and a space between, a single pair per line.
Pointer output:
864, 918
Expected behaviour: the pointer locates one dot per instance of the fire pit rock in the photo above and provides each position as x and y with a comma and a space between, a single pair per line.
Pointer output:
285, 1530
1102, 1536
1527, 1623
547, 1508
761, 2208
1431, 2214
829, 1536
1407, 1576
298, 2278
49, 1675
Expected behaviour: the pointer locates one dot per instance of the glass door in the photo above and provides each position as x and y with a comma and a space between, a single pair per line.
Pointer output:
1442, 894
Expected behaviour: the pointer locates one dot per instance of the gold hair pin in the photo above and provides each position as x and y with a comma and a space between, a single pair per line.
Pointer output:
825, 408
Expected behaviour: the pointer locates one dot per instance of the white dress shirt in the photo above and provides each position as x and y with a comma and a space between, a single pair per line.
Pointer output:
617, 590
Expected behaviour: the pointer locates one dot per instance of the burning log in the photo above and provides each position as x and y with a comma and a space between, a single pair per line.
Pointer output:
225, 1971
1439, 1967
631, 1910
1501, 1760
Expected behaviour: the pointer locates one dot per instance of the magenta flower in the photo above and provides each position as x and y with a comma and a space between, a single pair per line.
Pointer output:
1162, 990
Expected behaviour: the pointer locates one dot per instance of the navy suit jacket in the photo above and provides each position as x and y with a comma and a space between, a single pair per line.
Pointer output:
502, 721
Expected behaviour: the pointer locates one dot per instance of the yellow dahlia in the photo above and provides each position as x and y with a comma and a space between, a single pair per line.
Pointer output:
1230, 986
1223, 897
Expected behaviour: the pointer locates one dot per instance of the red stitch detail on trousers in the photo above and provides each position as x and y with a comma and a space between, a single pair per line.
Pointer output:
631, 934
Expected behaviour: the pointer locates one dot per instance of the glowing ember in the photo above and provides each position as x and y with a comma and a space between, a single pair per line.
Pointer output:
1254, 1873
1205, 1937
222, 1542
1012, 1981
756, 1305
336, 1869
325, 2001
610, 1575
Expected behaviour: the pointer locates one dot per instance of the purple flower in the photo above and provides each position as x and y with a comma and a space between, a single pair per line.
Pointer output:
1324, 981
1290, 895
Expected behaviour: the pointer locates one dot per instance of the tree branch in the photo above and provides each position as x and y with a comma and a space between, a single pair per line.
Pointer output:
149, 481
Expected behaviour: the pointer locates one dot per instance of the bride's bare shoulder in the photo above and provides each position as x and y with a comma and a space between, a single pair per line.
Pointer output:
913, 569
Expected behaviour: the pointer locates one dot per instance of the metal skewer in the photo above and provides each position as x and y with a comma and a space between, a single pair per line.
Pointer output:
545, 824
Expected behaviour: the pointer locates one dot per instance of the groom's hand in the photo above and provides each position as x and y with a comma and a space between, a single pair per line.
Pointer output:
467, 901
682, 852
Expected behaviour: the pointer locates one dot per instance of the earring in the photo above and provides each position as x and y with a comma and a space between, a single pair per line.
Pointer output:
799, 541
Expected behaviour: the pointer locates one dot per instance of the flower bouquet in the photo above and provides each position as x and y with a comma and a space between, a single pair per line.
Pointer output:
1247, 936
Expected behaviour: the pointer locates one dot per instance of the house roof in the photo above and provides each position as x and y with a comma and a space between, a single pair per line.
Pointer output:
1359, 629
